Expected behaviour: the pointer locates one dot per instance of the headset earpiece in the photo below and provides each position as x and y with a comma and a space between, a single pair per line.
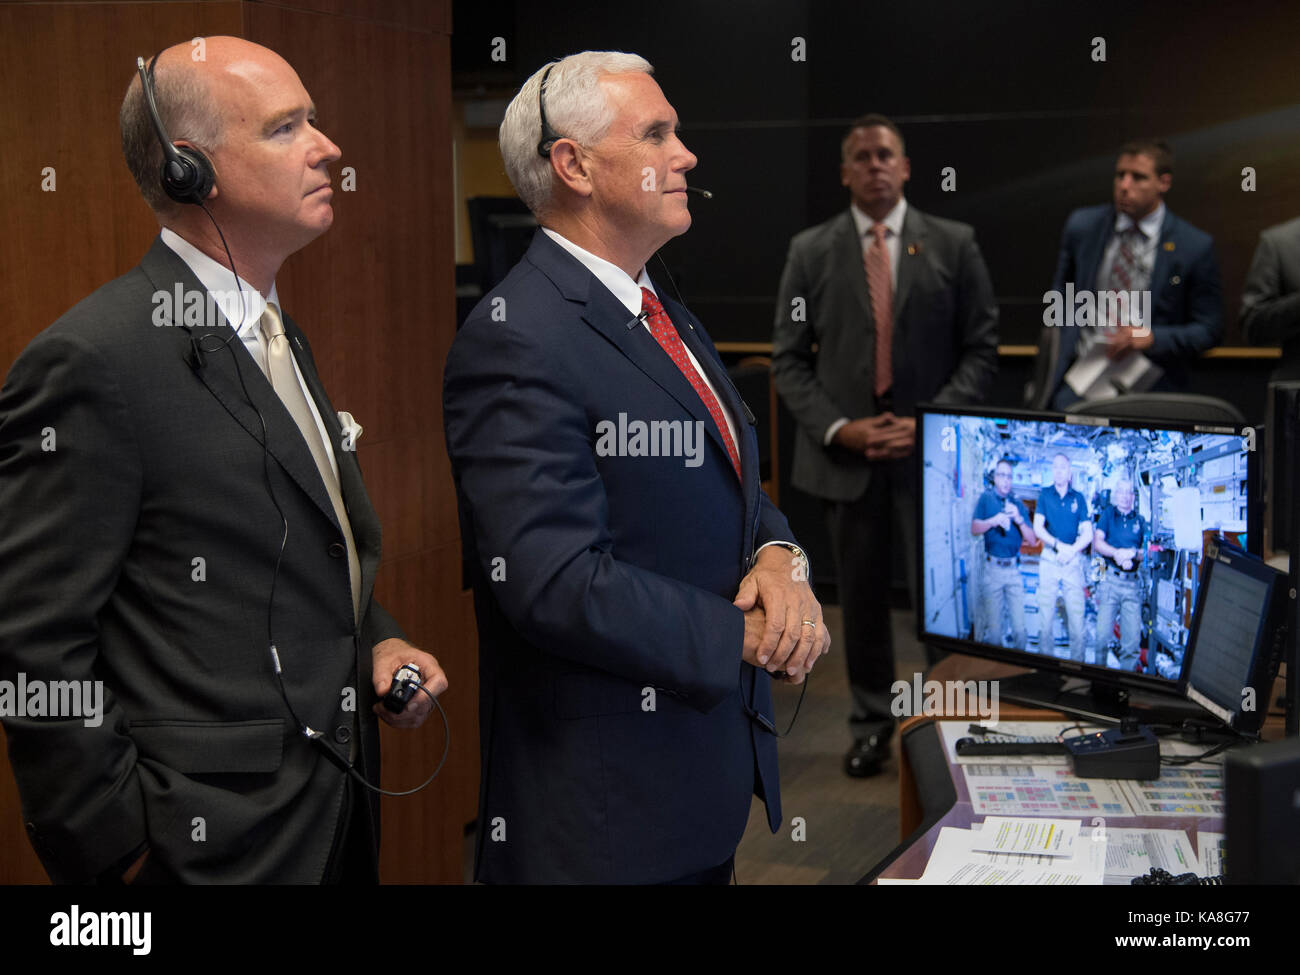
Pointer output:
549, 135
187, 175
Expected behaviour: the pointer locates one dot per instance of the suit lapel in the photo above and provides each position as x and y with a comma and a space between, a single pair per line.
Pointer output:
1166, 255
726, 390
1096, 251
366, 530
610, 318
911, 247
1091, 253
221, 371
848, 255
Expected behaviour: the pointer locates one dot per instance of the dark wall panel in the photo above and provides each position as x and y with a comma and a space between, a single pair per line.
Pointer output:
1006, 93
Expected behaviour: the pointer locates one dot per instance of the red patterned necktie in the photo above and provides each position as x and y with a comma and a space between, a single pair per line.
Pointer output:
661, 327
881, 286
1124, 268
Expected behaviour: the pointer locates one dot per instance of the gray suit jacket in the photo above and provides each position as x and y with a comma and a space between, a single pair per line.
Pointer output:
157, 462
1270, 300
823, 349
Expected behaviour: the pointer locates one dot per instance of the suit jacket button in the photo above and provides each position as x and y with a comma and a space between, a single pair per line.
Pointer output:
343, 734
337, 550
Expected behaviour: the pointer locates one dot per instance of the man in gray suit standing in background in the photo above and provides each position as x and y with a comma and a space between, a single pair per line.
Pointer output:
1270, 300
880, 308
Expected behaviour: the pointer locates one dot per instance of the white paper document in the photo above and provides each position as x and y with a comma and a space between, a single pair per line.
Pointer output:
1093, 376
1212, 856
1181, 790
955, 862
1048, 837
1133, 852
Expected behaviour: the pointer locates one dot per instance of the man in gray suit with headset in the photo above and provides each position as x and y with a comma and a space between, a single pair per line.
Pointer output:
183, 525
880, 308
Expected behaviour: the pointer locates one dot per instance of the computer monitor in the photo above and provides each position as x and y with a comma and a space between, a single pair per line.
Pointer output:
1231, 655
1282, 435
981, 591
1262, 813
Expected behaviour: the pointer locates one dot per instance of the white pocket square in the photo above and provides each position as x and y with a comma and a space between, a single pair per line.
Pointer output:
351, 430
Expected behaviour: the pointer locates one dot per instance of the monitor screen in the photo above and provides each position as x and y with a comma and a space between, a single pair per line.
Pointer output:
1230, 646
1074, 543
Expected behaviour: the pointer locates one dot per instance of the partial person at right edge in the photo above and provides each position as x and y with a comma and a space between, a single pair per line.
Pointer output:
1270, 300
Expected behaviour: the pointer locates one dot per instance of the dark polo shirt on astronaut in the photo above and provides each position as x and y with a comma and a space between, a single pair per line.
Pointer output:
1001, 543
1063, 515
1122, 531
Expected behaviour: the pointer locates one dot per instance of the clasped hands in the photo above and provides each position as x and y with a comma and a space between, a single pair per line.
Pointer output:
881, 437
1065, 553
1125, 557
777, 600
1007, 517
1122, 339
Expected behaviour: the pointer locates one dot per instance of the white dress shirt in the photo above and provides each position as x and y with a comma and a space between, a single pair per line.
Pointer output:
893, 243
220, 283
1144, 251
628, 292
893, 234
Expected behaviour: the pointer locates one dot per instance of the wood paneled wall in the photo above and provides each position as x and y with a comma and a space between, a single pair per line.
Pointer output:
375, 294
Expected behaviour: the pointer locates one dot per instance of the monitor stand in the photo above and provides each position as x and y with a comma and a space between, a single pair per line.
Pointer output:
1097, 700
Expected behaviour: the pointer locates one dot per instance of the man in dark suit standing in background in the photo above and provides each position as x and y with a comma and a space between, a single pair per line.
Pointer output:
880, 308
633, 586
183, 524
1134, 245
1270, 300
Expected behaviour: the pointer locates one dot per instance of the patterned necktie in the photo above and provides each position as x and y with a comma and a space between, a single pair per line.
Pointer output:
1125, 267
661, 327
284, 380
881, 288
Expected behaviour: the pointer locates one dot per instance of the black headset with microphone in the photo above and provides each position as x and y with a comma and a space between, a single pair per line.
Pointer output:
187, 174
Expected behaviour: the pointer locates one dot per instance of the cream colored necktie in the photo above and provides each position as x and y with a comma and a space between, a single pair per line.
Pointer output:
284, 380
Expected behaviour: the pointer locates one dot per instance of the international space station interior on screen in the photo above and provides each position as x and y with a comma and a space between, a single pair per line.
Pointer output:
1075, 540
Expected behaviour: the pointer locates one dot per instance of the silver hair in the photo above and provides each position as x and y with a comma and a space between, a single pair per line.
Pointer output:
188, 112
577, 108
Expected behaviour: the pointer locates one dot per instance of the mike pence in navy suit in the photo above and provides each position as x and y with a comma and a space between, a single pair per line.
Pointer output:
630, 607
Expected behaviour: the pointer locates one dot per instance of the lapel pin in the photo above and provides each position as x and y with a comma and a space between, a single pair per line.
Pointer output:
913, 249
1169, 245
298, 342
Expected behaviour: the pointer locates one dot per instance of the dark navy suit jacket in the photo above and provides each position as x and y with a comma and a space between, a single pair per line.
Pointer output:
615, 740
1186, 296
